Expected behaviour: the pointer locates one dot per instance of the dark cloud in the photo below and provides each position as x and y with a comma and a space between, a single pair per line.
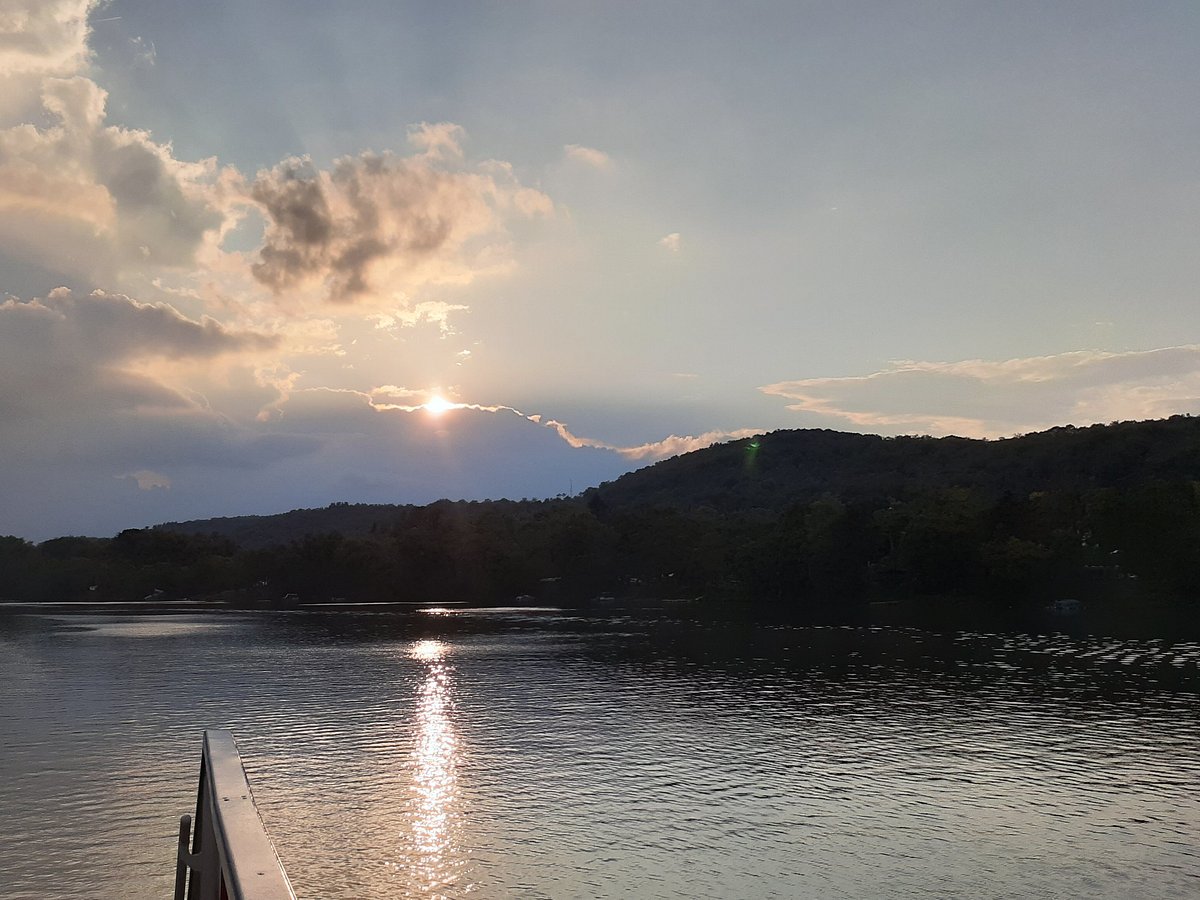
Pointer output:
302, 227
411, 456
324, 446
380, 222
86, 399
67, 356
97, 434
65, 328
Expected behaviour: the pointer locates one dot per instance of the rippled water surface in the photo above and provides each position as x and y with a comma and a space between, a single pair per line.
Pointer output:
538, 754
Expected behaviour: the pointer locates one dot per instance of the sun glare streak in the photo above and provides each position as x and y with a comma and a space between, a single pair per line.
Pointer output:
427, 651
434, 861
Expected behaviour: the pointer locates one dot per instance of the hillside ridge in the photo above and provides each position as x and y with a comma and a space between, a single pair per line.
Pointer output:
779, 469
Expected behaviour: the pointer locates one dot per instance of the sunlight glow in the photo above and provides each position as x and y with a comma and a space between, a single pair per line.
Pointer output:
436, 405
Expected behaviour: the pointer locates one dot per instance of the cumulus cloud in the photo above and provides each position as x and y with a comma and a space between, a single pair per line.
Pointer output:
86, 199
588, 156
380, 225
983, 398
82, 197
671, 242
78, 196
43, 36
128, 412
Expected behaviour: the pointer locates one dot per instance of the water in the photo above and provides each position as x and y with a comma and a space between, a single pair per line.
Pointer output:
543, 755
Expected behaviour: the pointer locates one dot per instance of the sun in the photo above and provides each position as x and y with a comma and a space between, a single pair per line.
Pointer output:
436, 405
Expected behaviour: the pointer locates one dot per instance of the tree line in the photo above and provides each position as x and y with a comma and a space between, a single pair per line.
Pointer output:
791, 518
1011, 549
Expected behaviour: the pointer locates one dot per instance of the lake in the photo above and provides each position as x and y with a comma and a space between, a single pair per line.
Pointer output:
538, 753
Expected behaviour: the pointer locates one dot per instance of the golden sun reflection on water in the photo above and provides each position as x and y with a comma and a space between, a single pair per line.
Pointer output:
428, 651
435, 860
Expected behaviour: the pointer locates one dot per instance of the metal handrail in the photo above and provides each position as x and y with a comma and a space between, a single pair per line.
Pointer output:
232, 857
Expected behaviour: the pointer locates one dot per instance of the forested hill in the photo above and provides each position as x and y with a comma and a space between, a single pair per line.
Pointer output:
788, 518
256, 532
783, 468
776, 471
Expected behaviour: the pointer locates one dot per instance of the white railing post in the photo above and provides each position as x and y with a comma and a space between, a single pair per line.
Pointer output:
232, 857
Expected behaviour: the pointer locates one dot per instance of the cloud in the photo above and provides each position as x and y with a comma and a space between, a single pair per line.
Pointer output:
148, 480
589, 156
115, 412
85, 198
472, 446
673, 445
43, 36
392, 397
670, 242
143, 51
438, 140
982, 398
81, 199
401, 399
104, 326
432, 312
85, 418
67, 356
99, 393
380, 225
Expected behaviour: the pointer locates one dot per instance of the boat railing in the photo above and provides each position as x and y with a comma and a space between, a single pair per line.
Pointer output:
231, 855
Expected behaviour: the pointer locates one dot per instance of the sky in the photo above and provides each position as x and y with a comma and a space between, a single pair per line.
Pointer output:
261, 256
